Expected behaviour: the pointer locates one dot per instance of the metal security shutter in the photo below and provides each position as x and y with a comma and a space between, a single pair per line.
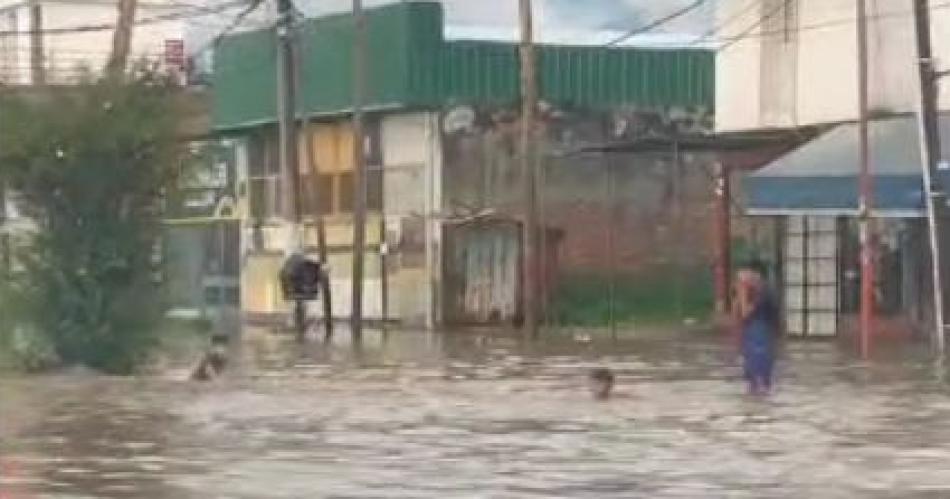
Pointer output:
811, 276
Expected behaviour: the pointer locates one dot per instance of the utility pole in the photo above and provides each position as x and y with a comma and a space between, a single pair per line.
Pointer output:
723, 273
37, 46
288, 135
311, 166
529, 101
122, 37
935, 197
866, 187
359, 168
287, 119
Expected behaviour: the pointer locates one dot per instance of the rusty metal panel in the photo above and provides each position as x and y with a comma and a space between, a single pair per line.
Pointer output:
483, 281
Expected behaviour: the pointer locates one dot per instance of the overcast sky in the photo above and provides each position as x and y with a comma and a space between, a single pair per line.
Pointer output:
594, 14
551, 15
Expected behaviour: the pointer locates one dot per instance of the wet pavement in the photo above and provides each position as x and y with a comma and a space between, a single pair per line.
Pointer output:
429, 416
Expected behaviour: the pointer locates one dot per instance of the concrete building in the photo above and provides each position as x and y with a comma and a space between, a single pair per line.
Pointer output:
793, 63
789, 63
441, 146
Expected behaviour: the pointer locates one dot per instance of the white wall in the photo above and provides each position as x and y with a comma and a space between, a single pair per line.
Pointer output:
800, 66
412, 193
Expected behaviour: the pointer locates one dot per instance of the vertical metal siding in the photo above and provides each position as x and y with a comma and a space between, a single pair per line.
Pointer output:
411, 65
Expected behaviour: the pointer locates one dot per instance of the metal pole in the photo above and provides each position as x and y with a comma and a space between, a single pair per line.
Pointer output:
866, 187
383, 273
611, 261
930, 157
311, 166
529, 98
359, 169
325, 282
547, 267
723, 237
428, 186
678, 258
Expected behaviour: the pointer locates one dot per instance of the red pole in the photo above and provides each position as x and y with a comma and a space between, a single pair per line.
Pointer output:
866, 196
723, 237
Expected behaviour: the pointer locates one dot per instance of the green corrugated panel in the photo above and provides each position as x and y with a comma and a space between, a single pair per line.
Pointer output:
475, 72
410, 65
244, 80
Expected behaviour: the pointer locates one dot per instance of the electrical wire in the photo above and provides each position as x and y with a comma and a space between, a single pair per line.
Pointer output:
657, 23
234, 24
92, 28
779, 7
749, 33
731, 19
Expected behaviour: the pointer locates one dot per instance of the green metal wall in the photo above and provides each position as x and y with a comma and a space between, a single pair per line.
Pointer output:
410, 65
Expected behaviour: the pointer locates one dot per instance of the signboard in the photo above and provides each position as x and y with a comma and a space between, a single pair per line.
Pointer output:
175, 53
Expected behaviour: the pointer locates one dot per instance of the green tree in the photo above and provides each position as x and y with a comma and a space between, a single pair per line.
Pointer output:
91, 165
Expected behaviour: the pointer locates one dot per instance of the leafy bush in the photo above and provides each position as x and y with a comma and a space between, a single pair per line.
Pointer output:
90, 166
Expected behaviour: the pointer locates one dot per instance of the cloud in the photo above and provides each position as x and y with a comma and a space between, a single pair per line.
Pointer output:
551, 14
587, 14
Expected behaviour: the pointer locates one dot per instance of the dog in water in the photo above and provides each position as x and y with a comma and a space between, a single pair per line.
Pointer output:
214, 361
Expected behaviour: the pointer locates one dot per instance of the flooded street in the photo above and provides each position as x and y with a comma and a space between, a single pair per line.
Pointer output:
424, 416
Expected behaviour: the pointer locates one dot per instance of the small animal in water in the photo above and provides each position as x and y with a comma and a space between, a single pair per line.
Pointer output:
601, 382
213, 362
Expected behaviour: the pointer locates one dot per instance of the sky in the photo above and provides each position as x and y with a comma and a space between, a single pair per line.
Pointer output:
619, 15
592, 14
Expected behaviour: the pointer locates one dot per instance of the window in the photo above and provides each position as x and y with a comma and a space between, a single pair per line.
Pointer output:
317, 193
265, 197
373, 143
374, 189
263, 153
263, 168
345, 193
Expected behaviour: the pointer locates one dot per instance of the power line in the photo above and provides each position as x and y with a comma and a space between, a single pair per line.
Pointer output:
92, 28
750, 34
238, 19
780, 6
657, 23
734, 17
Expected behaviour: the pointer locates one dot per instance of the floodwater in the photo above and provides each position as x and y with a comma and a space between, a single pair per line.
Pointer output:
430, 416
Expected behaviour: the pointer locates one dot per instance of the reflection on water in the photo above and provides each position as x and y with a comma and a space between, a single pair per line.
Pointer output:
428, 416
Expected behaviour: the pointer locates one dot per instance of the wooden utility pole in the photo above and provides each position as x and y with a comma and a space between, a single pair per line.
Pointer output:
287, 116
723, 272
310, 163
529, 102
122, 37
359, 168
866, 187
288, 135
929, 126
37, 46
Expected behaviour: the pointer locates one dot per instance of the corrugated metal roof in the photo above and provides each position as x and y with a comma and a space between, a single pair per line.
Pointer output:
575, 37
822, 174
411, 65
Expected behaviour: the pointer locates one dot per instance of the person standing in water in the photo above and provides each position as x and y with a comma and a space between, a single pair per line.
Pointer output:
758, 320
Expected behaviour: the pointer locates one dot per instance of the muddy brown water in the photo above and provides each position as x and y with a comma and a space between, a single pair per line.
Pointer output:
450, 416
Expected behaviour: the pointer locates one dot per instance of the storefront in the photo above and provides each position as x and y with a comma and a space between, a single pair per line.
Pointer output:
809, 200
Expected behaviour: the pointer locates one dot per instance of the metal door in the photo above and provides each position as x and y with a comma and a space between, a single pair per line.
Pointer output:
811, 276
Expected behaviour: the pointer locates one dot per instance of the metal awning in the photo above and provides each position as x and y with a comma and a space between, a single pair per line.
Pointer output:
741, 150
821, 177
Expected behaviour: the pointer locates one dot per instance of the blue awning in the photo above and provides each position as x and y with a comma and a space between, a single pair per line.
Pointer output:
821, 177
